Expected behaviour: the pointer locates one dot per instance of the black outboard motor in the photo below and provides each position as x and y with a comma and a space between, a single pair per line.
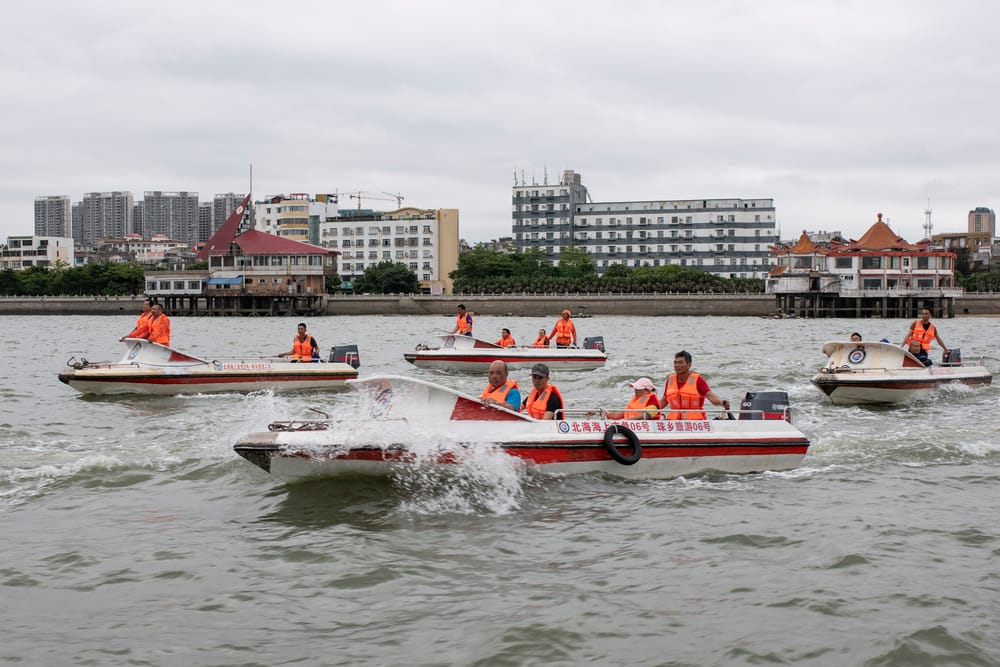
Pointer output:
345, 354
765, 405
952, 357
594, 343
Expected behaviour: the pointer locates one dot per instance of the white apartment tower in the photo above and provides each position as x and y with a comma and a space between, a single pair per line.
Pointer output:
53, 216
172, 214
102, 215
730, 238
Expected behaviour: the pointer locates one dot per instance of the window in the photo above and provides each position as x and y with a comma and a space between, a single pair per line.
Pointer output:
871, 263
924, 263
844, 262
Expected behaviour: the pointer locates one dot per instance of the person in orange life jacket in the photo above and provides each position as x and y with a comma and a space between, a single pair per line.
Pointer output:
564, 331
924, 331
685, 392
506, 340
544, 401
159, 326
141, 329
500, 391
917, 350
542, 340
304, 347
463, 322
644, 404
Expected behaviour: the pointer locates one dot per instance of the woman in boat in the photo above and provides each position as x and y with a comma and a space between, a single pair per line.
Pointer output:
644, 404
506, 340
542, 340
564, 331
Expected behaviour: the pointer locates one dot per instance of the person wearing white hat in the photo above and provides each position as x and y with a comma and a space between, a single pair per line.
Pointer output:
644, 404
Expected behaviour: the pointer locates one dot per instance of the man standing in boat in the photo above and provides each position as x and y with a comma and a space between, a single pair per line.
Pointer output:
923, 330
685, 392
159, 326
141, 329
564, 331
304, 347
501, 392
544, 401
463, 323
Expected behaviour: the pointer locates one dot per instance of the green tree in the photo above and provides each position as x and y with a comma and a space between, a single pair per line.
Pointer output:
575, 263
388, 277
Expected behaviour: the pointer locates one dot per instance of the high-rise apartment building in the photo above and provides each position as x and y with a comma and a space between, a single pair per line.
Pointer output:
222, 206
726, 237
53, 216
983, 220
103, 215
172, 214
205, 230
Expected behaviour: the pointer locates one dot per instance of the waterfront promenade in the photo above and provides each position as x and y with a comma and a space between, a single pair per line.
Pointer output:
749, 305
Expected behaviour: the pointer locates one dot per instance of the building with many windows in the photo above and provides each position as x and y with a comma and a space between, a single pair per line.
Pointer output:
102, 215
727, 237
23, 252
172, 214
424, 240
53, 216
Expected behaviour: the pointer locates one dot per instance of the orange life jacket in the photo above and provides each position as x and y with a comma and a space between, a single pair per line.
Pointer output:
535, 405
639, 406
541, 341
685, 402
141, 325
464, 324
159, 330
506, 342
925, 336
564, 331
500, 393
302, 349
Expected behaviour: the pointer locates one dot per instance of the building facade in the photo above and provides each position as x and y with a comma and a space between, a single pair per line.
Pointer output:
983, 221
24, 252
53, 216
103, 215
172, 214
727, 237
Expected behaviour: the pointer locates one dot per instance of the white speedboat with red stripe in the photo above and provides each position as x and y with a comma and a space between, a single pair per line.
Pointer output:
861, 372
150, 368
405, 422
459, 353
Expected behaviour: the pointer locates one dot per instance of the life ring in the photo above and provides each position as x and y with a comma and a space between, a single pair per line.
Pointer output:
633, 439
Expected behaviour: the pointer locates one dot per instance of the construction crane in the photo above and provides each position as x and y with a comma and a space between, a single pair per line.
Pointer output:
362, 194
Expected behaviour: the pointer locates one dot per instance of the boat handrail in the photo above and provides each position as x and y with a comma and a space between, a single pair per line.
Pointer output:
582, 414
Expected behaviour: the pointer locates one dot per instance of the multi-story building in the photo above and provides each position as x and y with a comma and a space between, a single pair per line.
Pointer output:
726, 237
53, 216
205, 230
139, 250
424, 240
172, 214
222, 206
880, 273
102, 215
983, 220
24, 252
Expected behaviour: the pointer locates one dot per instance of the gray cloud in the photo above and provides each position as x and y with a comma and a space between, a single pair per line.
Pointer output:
837, 110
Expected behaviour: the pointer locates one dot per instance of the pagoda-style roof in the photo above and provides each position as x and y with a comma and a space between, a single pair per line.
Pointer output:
879, 237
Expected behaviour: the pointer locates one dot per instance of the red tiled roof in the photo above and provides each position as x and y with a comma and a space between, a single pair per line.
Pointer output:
259, 243
224, 235
880, 237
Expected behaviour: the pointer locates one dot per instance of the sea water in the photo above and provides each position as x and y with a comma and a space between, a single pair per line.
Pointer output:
132, 534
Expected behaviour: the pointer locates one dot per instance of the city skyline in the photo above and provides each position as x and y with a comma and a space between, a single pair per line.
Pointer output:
837, 111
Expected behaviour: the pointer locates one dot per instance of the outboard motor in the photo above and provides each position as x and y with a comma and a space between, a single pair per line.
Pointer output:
594, 343
765, 405
345, 354
952, 357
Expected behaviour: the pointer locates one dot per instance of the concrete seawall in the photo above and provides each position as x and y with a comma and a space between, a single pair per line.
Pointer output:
537, 305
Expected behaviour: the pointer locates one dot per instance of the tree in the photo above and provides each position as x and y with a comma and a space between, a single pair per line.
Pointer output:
388, 277
575, 263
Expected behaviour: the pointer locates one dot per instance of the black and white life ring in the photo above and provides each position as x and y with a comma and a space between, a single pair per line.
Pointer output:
633, 440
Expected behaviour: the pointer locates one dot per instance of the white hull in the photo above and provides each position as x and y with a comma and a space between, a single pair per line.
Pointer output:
152, 369
858, 373
464, 354
413, 423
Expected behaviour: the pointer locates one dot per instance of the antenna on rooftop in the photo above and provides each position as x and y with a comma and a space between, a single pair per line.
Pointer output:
546, 174
928, 225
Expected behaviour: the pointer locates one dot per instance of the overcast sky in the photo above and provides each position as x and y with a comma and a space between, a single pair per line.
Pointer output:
836, 110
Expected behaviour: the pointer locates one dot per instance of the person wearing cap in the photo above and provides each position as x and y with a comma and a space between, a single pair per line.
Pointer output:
685, 392
564, 331
544, 401
542, 340
463, 323
501, 392
644, 405
506, 340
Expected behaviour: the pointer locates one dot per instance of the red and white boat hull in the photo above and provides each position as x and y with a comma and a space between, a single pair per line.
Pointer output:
466, 354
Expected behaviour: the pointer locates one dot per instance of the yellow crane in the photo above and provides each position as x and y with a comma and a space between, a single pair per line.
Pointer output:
363, 194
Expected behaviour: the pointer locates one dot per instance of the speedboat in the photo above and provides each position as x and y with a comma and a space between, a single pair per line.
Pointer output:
860, 372
460, 353
151, 368
405, 423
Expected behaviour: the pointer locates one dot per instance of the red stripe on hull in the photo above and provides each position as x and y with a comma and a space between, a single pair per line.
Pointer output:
480, 359
230, 379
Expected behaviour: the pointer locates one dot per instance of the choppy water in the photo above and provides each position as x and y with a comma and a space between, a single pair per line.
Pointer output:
132, 535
